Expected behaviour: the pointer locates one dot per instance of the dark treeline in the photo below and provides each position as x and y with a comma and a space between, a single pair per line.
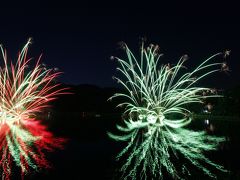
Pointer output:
86, 98
91, 98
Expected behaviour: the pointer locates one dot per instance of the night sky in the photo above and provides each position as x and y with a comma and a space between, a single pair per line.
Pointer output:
79, 38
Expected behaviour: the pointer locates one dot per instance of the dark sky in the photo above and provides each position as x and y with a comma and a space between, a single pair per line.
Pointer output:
79, 38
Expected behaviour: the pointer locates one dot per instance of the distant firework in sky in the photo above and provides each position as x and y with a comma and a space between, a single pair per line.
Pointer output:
24, 93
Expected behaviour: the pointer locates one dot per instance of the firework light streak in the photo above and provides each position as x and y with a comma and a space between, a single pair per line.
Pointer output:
23, 94
157, 96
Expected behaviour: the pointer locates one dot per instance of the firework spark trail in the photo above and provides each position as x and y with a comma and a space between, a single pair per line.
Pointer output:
23, 93
156, 98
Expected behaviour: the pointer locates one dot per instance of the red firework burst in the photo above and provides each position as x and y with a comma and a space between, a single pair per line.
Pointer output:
23, 93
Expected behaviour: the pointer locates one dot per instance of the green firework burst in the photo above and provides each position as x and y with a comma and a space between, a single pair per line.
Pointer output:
157, 115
